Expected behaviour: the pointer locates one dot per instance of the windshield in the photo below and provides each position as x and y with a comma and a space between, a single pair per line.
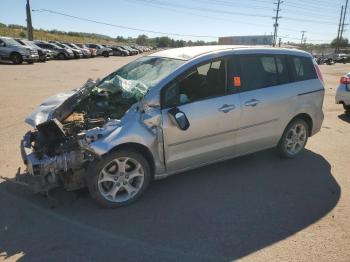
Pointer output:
62, 45
74, 46
31, 44
10, 41
136, 78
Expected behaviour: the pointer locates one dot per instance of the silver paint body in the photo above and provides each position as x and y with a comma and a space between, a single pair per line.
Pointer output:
255, 120
343, 94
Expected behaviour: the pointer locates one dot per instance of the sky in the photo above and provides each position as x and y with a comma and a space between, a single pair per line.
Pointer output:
188, 20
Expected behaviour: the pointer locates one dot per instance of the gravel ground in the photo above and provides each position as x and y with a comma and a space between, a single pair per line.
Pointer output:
253, 208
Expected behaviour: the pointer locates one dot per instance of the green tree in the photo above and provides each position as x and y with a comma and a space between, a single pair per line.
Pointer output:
343, 42
163, 41
142, 40
119, 38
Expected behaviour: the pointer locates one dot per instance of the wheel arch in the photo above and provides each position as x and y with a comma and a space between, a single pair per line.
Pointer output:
140, 149
306, 117
14, 53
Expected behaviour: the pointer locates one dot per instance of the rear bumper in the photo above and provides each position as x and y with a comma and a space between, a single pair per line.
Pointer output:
317, 122
342, 95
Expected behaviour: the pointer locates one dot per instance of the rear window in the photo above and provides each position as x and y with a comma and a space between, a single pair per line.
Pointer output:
259, 71
302, 68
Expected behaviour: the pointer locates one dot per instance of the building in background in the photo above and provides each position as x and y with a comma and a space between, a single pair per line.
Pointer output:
246, 40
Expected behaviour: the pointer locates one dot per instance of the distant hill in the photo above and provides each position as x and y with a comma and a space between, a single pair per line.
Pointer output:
47, 35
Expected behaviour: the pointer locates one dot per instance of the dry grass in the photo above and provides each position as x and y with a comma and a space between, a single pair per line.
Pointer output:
46, 36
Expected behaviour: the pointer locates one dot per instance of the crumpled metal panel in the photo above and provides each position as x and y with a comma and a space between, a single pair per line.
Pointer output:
45, 110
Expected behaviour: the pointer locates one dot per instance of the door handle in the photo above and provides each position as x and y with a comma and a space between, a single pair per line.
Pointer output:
252, 102
226, 108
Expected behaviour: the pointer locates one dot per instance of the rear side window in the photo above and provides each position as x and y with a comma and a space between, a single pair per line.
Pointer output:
259, 71
302, 68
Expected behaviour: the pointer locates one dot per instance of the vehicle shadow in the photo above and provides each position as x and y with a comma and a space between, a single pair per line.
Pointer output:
220, 212
345, 117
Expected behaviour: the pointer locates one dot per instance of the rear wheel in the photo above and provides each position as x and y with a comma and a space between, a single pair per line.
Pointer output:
119, 178
294, 138
16, 59
61, 56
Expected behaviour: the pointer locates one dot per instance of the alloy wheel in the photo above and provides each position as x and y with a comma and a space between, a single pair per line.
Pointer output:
121, 179
295, 139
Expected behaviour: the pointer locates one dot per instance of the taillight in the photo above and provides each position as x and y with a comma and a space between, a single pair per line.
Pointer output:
345, 80
318, 71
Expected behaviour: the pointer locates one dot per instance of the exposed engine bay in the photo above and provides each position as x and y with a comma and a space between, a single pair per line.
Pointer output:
56, 153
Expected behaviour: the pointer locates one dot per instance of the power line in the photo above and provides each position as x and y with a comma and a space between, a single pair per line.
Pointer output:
121, 26
200, 15
176, 9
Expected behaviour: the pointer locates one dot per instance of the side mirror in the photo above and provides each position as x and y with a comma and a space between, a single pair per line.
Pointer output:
179, 118
2, 44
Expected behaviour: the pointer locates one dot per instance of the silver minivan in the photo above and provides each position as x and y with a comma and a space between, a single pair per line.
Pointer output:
169, 112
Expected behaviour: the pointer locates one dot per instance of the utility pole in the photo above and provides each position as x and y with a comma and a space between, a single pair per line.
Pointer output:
343, 23
29, 22
279, 42
302, 36
339, 28
277, 17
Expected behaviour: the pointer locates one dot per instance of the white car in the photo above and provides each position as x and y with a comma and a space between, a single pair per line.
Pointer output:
343, 92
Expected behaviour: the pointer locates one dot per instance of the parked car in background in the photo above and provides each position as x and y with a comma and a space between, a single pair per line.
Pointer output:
43, 54
92, 50
11, 50
58, 52
343, 93
117, 51
49, 53
77, 52
101, 50
85, 51
124, 49
173, 111
131, 50
341, 58
137, 48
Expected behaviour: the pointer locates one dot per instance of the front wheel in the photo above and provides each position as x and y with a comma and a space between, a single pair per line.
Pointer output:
294, 138
105, 54
16, 59
61, 56
119, 178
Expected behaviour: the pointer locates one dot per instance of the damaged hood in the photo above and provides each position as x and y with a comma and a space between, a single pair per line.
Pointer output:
59, 106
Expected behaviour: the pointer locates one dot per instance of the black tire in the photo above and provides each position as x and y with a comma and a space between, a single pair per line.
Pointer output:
346, 108
282, 145
95, 168
105, 54
61, 56
16, 59
30, 62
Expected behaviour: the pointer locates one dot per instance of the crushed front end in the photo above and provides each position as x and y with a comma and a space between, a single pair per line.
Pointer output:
56, 153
